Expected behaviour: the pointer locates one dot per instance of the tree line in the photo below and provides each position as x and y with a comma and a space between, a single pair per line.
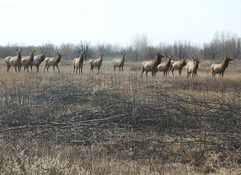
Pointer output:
139, 48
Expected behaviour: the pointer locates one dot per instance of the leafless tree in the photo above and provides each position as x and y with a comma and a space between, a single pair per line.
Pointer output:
140, 44
84, 46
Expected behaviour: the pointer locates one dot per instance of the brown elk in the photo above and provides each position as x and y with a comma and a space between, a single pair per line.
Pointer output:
192, 66
119, 62
27, 61
53, 61
14, 61
164, 67
178, 65
38, 59
78, 62
220, 68
96, 62
151, 65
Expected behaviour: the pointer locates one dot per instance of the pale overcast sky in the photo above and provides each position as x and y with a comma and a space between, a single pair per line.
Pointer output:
38, 22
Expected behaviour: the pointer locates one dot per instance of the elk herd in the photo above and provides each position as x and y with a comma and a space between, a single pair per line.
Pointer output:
153, 66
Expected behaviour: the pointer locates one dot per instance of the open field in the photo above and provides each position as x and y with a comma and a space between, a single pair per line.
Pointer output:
106, 123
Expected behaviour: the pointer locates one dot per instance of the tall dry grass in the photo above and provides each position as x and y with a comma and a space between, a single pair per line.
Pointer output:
119, 123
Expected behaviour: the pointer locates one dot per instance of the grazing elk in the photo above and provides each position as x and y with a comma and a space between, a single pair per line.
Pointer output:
37, 60
178, 65
119, 62
164, 67
14, 61
192, 66
220, 68
151, 65
53, 61
78, 62
96, 62
27, 61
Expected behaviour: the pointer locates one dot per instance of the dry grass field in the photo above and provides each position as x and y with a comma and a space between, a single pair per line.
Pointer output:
106, 123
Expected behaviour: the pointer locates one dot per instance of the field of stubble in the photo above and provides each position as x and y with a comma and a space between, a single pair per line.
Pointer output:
106, 123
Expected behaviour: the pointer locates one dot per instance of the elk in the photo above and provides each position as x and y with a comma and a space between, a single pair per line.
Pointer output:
151, 65
96, 62
164, 67
78, 62
37, 60
119, 62
220, 68
178, 65
192, 66
53, 61
14, 61
27, 61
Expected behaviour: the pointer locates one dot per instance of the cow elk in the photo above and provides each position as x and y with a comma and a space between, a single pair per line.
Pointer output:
178, 65
164, 67
78, 62
192, 67
14, 61
119, 62
96, 62
53, 61
38, 59
220, 68
151, 66
27, 61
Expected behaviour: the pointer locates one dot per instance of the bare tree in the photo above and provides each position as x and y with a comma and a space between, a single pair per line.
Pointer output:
165, 48
50, 48
84, 46
68, 50
139, 45
205, 51
224, 43
179, 49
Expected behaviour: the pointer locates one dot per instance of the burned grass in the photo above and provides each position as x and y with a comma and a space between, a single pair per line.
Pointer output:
119, 123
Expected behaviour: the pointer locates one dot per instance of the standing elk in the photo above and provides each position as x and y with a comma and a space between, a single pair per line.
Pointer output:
78, 62
37, 60
14, 61
220, 68
96, 62
53, 61
151, 65
119, 62
164, 67
27, 61
178, 65
192, 66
